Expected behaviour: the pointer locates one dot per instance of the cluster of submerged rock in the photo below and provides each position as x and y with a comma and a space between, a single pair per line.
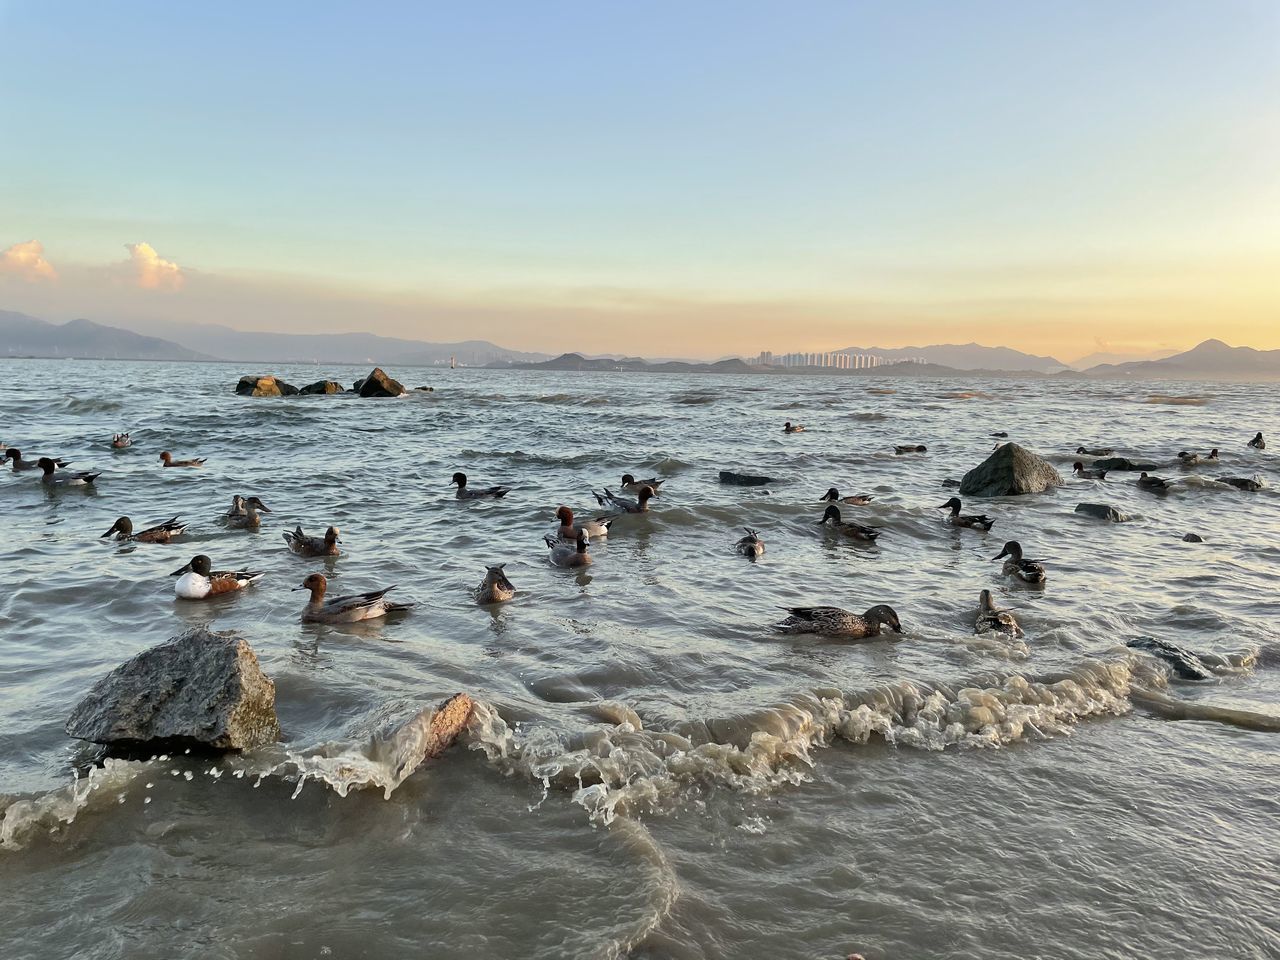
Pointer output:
376, 384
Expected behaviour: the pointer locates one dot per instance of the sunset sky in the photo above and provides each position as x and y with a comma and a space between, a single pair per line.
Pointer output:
692, 179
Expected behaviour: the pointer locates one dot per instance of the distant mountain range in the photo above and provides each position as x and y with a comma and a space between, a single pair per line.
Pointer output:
1101, 357
1211, 360
24, 336
966, 356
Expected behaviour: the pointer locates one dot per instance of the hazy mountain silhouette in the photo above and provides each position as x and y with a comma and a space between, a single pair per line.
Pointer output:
25, 336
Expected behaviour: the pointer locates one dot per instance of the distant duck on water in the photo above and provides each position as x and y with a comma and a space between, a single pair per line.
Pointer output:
1030, 571
910, 448
160, 533
120, 441
306, 546
349, 609
244, 511
1148, 482
1191, 459
989, 618
166, 458
853, 500
631, 485
1257, 442
197, 581
481, 493
1095, 451
14, 456
831, 521
958, 519
751, 545
835, 622
52, 477
1079, 469
790, 427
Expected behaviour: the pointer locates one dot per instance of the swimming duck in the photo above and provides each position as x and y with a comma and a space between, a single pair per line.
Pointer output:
1095, 452
247, 518
305, 546
14, 455
835, 622
1148, 482
1257, 442
1191, 459
853, 500
166, 458
831, 520
564, 554
120, 441
1001, 434
595, 529
625, 504
632, 485
1242, 483
61, 479
790, 427
350, 609
466, 493
751, 545
910, 448
989, 618
1032, 571
1083, 474
160, 533
495, 588
196, 581
958, 519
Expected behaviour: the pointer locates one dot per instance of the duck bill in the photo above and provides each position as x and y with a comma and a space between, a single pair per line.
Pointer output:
181, 570
895, 627
1002, 553
109, 532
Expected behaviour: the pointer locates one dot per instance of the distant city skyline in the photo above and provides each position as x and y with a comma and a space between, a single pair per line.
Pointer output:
690, 180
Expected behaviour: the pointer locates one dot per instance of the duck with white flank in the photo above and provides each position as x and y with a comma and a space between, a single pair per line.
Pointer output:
989, 618
596, 529
305, 546
751, 545
631, 485
831, 521
120, 441
1257, 442
853, 500
1083, 474
160, 533
246, 515
351, 609
1031, 571
468, 493
1147, 482
61, 478
624, 504
790, 427
835, 622
910, 448
957, 519
566, 554
1192, 459
1095, 451
166, 458
197, 581
14, 456
1242, 483
495, 588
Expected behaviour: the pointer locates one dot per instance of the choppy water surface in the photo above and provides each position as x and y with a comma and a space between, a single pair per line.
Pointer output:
652, 772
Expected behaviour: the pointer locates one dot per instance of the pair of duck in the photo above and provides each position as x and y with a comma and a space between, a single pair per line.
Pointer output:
1257, 442
21, 464
1188, 459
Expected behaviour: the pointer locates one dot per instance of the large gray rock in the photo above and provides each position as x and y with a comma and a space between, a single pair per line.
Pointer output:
264, 387
1011, 470
378, 384
200, 688
1102, 511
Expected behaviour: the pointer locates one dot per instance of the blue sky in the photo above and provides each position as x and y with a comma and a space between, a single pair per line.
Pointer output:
739, 174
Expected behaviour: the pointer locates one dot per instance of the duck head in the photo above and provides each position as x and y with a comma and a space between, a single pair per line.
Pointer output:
47, 465
460, 479
316, 583
14, 454
331, 536
200, 564
884, 615
123, 526
166, 456
832, 494
985, 603
564, 515
832, 513
627, 478
1011, 549
253, 503
1077, 466
646, 494
496, 576
953, 505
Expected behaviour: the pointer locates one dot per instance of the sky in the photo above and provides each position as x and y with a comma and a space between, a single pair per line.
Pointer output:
661, 179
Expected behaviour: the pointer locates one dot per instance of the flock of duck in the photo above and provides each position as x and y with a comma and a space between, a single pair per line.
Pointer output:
569, 545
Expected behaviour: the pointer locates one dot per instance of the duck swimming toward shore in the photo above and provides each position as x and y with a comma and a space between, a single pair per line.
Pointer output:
989, 618
1148, 482
495, 588
751, 545
483, 493
957, 519
349, 609
1079, 470
60, 478
160, 533
789, 427
305, 546
610, 499
1192, 459
1257, 442
831, 520
166, 458
565, 554
1031, 571
1096, 451
196, 581
120, 441
910, 448
1242, 483
14, 456
854, 500
835, 622
246, 515
631, 485
596, 529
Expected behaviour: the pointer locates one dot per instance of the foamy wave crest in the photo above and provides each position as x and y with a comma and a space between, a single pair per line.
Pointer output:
47, 813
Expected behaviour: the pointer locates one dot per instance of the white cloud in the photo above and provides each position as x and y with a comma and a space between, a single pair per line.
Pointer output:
153, 271
27, 260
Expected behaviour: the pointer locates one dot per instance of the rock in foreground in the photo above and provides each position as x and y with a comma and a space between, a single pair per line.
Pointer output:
264, 387
1010, 471
200, 688
378, 384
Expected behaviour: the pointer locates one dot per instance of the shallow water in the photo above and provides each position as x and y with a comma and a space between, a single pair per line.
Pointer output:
651, 772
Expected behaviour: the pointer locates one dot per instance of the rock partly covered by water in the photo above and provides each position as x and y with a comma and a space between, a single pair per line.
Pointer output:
1102, 511
743, 479
1010, 471
200, 688
324, 386
264, 387
378, 384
